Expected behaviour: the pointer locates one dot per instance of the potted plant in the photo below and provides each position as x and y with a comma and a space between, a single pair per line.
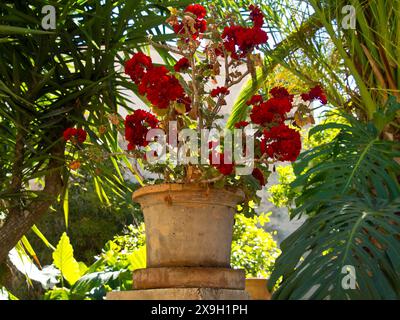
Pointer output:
202, 169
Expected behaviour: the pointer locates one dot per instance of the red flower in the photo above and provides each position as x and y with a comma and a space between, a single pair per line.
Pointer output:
240, 41
136, 66
258, 174
256, 16
256, 99
279, 92
197, 9
273, 110
315, 93
160, 88
224, 168
200, 25
182, 64
281, 143
219, 90
75, 135
136, 127
241, 124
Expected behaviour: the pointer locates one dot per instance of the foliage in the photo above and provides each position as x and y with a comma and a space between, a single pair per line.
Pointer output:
351, 195
50, 81
91, 223
111, 271
282, 194
63, 259
253, 248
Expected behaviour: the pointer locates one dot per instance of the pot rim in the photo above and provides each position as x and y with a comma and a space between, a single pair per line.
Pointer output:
168, 187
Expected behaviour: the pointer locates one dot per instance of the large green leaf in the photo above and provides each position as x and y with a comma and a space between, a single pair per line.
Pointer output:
63, 259
348, 233
356, 162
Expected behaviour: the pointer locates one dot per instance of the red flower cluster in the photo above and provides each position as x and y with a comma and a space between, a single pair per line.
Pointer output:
273, 110
239, 40
199, 26
136, 66
256, 99
160, 88
197, 9
181, 65
241, 124
219, 90
155, 83
316, 93
136, 127
75, 135
281, 143
256, 16
224, 168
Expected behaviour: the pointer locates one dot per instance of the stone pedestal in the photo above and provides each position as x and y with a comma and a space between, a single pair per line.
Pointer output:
185, 283
179, 294
257, 289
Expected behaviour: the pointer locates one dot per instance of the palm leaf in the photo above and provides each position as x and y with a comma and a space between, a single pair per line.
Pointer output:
348, 233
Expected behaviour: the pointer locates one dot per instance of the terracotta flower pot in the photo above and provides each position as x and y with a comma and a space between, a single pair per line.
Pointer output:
188, 225
257, 289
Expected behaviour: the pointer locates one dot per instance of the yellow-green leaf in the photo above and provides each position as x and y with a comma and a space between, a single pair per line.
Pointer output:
138, 258
63, 259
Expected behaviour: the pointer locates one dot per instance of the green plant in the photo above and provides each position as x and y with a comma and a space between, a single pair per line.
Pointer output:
111, 271
50, 81
351, 196
253, 248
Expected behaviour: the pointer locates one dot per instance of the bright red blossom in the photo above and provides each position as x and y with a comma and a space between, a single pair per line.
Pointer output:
224, 168
75, 135
160, 88
316, 93
136, 66
256, 16
136, 127
281, 143
241, 124
197, 9
200, 25
240, 41
182, 64
256, 99
219, 90
279, 92
273, 110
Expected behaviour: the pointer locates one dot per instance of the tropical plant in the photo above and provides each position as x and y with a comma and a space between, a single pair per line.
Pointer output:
356, 62
57, 79
111, 271
351, 195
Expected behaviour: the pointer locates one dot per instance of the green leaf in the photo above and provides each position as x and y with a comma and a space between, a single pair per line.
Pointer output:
63, 259
138, 258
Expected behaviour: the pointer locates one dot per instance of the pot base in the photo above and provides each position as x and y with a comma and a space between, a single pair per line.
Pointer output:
179, 294
188, 277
